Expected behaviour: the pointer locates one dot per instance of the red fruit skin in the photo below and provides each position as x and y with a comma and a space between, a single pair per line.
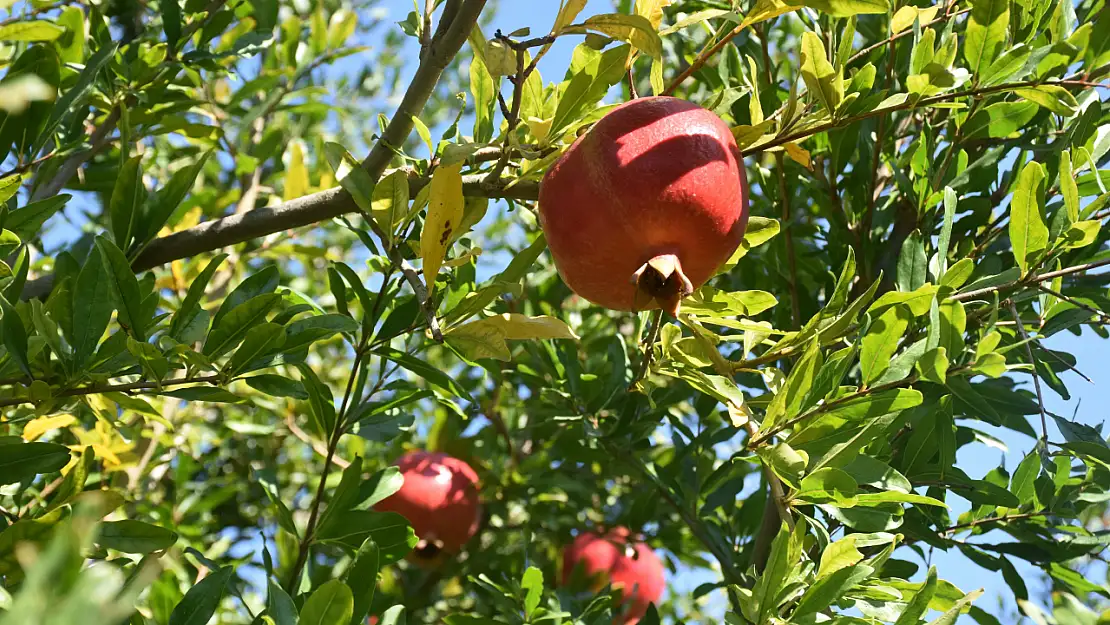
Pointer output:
654, 176
605, 559
439, 498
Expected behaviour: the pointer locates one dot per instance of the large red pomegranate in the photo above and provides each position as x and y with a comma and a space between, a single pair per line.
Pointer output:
616, 558
644, 207
440, 500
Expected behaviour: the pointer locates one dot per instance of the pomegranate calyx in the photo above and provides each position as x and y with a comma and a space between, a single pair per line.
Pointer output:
661, 279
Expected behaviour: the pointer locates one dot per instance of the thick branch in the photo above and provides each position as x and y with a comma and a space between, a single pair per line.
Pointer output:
303, 211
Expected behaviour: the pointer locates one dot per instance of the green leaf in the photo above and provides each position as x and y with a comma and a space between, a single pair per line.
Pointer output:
192, 297
877, 404
171, 21
785, 552
277, 386
32, 30
351, 176
77, 92
830, 589
821, 78
532, 585
225, 336
430, 374
1028, 232
19, 461
1053, 97
27, 221
950, 616
170, 196
845, 8
389, 530
839, 555
270, 488
14, 336
200, 603
279, 605
788, 400
933, 365
881, 341
330, 604
986, 33
134, 536
1000, 120
912, 263
124, 288
92, 308
127, 201
259, 340
364, 574
261, 282
1023, 482
204, 393
1068, 187
1006, 66
919, 604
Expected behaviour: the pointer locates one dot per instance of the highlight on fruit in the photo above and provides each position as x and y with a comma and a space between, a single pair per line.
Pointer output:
644, 207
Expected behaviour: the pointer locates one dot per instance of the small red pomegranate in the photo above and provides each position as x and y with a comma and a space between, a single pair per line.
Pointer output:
440, 500
615, 558
644, 207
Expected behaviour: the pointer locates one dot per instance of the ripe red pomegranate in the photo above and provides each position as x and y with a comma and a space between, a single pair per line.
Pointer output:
644, 207
440, 500
616, 558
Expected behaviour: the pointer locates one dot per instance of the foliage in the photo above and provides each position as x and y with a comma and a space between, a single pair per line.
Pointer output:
219, 327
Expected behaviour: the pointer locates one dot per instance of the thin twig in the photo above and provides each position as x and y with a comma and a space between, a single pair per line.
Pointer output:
97, 140
961, 297
426, 304
909, 31
909, 104
1036, 376
996, 519
1102, 317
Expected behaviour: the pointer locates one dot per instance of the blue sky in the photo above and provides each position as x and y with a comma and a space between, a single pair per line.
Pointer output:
976, 459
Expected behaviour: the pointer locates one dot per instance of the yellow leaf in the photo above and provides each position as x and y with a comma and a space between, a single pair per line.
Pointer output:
296, 174
445, 211
539, 127
567, 14
799, 154
37, 427
905, 17
485, 338
634, 29
767, 9
523, 327
747, 135
652, 10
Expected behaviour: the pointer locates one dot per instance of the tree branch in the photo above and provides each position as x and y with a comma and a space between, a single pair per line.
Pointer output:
303, 211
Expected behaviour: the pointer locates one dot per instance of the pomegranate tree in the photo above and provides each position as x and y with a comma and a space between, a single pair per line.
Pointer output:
440, 500
644, 207
616, 558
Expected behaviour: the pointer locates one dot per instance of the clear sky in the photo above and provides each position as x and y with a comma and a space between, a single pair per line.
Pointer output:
977, 458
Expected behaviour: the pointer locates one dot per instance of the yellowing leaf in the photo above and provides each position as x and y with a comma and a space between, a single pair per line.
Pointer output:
767, 9
389, 202
1081, 234
652, 10
296, 174
445, 211
846, 8
635, 29
822, 80
567, 14
500, 58
839, 555
694, 18
486, 338
986, 33
905, 17
41, 425
799, 154
464, 258
539, 127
